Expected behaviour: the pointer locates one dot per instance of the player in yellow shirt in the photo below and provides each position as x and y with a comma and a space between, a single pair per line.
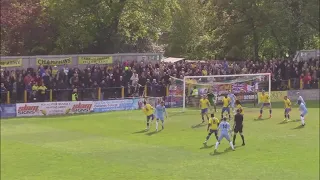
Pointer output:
287, 108
148, 111
212, 128
204, 105
239, 107
264, 98
226, 106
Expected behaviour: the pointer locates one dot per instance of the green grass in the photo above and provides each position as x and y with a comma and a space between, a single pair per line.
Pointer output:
113, 146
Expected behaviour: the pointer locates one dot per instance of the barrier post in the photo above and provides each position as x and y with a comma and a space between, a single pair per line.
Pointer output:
301, 84
50, 95
8, 97
145, 90
99, 93
289, 84
167, 91
25, 96
122, 92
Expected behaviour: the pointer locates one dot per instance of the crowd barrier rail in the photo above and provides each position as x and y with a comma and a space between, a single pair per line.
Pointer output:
77, 107
84, 94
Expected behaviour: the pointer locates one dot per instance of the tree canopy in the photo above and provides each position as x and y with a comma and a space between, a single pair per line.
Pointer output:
196, 29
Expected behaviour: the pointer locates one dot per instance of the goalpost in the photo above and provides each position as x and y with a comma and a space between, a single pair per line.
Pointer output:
244, 86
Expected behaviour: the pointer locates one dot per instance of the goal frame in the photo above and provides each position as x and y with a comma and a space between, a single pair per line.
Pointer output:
219, 76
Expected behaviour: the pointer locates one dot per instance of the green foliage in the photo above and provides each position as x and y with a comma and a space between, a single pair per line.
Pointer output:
193, 29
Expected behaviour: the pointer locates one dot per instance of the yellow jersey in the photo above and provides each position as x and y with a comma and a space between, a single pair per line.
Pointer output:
148, 110
240, 108
204, 72
214, 123
42, 89
34, 88
287, 103
226, 101
265, 98
204, 103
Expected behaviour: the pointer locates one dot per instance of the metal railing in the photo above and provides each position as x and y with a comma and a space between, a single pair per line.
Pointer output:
84, 94
106, 93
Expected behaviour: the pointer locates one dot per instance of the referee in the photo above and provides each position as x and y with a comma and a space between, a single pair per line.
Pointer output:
238, 126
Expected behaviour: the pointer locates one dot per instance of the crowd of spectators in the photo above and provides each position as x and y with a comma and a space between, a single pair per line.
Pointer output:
133, 76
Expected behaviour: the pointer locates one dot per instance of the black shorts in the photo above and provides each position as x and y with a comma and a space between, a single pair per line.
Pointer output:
213, 131
238, 129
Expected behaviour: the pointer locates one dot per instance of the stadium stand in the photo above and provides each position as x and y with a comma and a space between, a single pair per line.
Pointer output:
132, 79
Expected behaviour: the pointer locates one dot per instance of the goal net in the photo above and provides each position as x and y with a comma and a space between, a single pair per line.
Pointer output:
244, 86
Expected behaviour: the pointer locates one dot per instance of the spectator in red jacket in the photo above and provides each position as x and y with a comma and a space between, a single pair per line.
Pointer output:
306, 81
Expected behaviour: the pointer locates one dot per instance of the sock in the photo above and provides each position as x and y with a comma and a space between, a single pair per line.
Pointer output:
229, 116
242, 137
270, 111
215, 108
162, 124
234, 138
285, 116
231, 145
207, 117
157, 124
302, 120
202, 118
207, 138
221, 115
217, 144
217, 137
261, 111
148, 123
288, 116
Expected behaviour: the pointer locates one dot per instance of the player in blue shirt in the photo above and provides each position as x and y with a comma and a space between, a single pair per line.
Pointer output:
224, 128
300, 98
233, 100
160, 111
303, 110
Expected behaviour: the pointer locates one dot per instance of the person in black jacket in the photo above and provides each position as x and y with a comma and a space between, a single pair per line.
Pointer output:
238, 127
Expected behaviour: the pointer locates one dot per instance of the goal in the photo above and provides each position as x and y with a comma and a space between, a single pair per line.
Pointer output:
244, 86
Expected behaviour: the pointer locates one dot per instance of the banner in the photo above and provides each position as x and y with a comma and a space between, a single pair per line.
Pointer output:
307, 94
276, 96
7, 110
11, 62
174, 101
54, 62
53, 108
95, 60
117, 105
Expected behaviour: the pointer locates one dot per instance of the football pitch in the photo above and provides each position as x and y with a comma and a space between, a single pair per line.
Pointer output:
115, 146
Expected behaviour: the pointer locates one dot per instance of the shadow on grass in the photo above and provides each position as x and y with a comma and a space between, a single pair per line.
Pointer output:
139, 132
198, 125
216, 153
152, 133
206, 147
298, 127
261, 119
283, 122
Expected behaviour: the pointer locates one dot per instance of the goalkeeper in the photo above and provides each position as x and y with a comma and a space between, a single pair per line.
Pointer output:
212, 100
